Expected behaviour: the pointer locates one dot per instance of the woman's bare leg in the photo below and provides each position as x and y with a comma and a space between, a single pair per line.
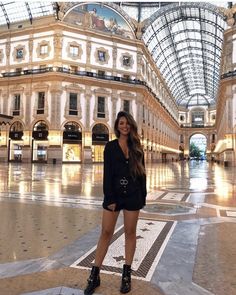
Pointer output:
130, 225
109, 219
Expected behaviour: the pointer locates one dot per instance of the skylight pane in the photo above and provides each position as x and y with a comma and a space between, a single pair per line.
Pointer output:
2, 17
187, 36
19, 11
21, 14
41, 8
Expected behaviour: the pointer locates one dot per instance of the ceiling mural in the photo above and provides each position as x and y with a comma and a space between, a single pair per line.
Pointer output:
99, 17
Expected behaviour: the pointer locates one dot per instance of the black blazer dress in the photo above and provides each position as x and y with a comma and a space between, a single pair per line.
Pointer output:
118, 185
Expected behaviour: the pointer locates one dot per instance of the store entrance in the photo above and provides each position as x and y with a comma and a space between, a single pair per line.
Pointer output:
100, 136
40, 142
72, 142
15, 142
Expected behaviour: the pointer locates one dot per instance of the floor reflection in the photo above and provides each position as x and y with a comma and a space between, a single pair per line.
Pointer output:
86, 180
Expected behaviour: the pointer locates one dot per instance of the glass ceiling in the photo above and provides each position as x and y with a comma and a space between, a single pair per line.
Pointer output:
11, 12
184, 38
185, 42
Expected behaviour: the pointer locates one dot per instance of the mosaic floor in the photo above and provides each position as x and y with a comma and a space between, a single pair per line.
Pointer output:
50, 222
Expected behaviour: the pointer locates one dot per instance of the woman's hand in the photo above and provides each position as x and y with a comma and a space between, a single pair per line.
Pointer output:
112, 206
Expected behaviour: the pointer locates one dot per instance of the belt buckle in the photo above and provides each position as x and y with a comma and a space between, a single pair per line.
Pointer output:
124, 181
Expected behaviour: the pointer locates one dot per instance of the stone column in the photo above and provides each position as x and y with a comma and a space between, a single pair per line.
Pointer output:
139, 111
88, 96
88, 55
26, 149
114, 99
28, 103
87, 143
55, 134
6, 100
30, 48
57, 42
139, 64
8, 50
114, 59
56, 91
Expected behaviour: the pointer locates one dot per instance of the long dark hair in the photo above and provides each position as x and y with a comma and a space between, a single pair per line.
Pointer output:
135, 148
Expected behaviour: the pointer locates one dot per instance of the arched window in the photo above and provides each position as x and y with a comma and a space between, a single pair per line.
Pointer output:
100, 133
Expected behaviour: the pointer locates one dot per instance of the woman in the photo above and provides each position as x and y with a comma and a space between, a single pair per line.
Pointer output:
124, 186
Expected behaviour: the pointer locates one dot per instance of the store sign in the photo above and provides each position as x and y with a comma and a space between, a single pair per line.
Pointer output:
72, 135
100, 137
16, 135
40, 135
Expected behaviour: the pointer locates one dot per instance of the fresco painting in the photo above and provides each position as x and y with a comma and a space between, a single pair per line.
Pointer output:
99, 17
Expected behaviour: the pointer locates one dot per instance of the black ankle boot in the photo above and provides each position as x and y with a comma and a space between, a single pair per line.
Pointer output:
126, 279
93, 281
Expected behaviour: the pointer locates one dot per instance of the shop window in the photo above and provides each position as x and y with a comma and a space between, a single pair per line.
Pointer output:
16, 105
126, 61
41, 102
72, 152
101, 107
101, 55
73, 104
126, 106
19, 53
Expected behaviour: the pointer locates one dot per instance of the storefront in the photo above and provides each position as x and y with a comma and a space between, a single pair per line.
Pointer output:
40, 142
72, 142
15, 142
100, 136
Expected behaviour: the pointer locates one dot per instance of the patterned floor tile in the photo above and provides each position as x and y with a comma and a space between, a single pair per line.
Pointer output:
152, 237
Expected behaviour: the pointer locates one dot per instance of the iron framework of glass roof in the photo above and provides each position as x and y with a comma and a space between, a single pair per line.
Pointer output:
185, 41
141, 10
11, 12
184, 38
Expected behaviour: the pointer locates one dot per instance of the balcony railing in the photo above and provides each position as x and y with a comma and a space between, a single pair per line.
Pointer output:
188, 125
87, 74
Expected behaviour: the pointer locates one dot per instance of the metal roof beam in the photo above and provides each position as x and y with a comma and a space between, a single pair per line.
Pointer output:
5, 14
29, 12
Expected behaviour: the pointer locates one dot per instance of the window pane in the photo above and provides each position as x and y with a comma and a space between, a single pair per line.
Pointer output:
101, 107
17, 102
74, 50
73, 101
126, 60
41, 98
101, 55
19, 53
43, 49
126, 106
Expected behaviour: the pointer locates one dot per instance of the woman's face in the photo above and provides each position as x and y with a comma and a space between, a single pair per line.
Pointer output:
123, 126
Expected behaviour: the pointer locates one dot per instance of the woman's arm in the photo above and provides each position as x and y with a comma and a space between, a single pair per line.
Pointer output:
107, 176
144, 184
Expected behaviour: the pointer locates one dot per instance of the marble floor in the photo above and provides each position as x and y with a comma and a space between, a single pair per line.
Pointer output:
50, 219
